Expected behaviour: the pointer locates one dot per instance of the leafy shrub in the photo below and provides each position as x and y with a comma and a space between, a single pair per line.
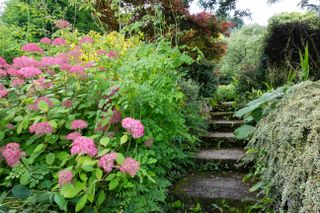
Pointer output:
285, 149
225, 93
93, 86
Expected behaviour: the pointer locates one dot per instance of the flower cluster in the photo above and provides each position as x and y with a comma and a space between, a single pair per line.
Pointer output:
32, 48
73, 135
79, 124
35, 105
62, 24
64, 177
42, 128
134, 127
59, 42
29, 72
84, 145
107, 162
12, 154
86, 39
130, 166
45, 40
3, 91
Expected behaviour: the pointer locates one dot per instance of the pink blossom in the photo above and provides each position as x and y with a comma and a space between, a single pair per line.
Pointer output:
134, 127
3, 91
107, 162
17, 82
73, 135
12, 154
90, 64
112, 54
29, 72
62, 24
67, 103
77, 69
42, 128
84, 145
35, 104
59, 42
25, 61
64, 177
130, 166
3, 63
101, 52
79, 124
65, 67
45, 40
42, 83
32, 48
13, 72
3, 73
49, 61
76, 53
116, 117
86, 39
10, 126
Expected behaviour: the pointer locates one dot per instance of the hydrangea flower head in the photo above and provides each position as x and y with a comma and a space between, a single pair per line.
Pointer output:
130, 166
77, 69
3, 91
35, 105
3, 63
79, 124
59, 42
67, 103
134, 127
112, 54
86, 39
62, 24
45, 40
3, 73
24, 61
32, 48
29, 72
12, 154
73, 135
84, 145
42, 128
64, 177
17, 82
107, 162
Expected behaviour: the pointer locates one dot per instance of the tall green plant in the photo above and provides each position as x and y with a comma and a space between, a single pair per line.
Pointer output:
304, 64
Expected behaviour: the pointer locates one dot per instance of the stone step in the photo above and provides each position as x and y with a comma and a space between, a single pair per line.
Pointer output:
221, 140
214, 188
225, 125
219, 159
222, 115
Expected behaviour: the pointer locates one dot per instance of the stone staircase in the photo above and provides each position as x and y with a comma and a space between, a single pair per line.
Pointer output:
217, 180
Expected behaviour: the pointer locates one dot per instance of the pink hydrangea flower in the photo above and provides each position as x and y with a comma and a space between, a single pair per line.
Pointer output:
86, 39
77, 69
45, 40
12, 154
79, 124
32, 48
76, 53
42, 83
13, 72
73, 135
64, 177
35, 104
107, 162
29, 72
25, 61
112, 54
90, 64
3, 63
42, 128
3, 73
67, 103
49, 61
101, 52
17, 82
130, 166
62, 24
134, 127
84, 145
59, 42
65, 67
3, 91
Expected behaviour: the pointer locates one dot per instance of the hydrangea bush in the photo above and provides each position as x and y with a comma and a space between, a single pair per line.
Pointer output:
90, 121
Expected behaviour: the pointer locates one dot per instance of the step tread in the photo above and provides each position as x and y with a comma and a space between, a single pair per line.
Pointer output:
227, 103
220, 154
227, 122
222, 113
221, 135
210, 186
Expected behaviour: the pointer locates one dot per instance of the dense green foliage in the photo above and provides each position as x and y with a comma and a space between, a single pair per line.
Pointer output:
285, 150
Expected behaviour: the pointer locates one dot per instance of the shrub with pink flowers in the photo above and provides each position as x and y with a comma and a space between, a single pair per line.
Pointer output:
78, 113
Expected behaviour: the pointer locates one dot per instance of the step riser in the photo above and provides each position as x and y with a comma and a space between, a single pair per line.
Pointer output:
209, 142
221, 128
219, 165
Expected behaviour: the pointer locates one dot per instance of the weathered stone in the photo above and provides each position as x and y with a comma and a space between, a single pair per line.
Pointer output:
221, 140
225, 125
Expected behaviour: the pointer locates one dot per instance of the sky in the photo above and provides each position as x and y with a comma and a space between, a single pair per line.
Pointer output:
261, 11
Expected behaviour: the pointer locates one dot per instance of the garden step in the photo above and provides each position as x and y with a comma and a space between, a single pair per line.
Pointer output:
219, 159
225, 125
223, 115
214, 188
221, 140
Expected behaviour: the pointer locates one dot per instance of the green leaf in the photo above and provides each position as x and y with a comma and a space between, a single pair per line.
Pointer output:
50, 158
120, 158
60, 201
110, 177
43, 106
124, 139
53, 124
81, 203
1, 135
101, 198
114, 183
21, 192
99, 173
91, 192
104, 141
25, 178
257, 186
70, 191
244, 132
